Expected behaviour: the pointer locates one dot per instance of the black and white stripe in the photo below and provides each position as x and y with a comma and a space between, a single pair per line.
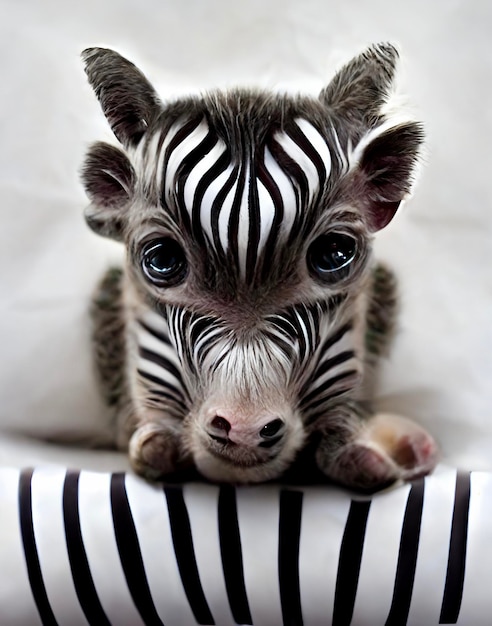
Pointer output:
337, 370
241, 201
313, 356
159, 369
98, 548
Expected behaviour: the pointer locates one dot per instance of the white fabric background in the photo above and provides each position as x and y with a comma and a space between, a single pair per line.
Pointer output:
441, 368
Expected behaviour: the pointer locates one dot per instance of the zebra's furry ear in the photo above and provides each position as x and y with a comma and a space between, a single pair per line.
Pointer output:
385, 161
128, 100
384, 150
360, 89
108, 179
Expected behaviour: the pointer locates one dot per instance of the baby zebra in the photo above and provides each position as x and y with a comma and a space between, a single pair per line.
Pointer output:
249, 316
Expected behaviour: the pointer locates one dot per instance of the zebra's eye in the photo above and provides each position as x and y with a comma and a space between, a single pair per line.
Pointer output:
164, 262
330, 256
271, 429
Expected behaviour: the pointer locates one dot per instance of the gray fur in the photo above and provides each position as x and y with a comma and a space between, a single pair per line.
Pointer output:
361, 88
131, 102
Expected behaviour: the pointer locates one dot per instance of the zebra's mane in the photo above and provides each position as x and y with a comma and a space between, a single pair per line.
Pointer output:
241, 114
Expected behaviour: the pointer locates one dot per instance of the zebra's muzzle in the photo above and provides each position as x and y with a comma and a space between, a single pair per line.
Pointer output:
241, 446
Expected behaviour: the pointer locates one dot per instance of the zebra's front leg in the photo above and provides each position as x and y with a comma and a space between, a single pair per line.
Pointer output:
156, 447
374, 451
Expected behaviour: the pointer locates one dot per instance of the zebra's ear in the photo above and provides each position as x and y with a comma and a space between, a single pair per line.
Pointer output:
108, 178
384, 167
385, 149
128, 100
361, 88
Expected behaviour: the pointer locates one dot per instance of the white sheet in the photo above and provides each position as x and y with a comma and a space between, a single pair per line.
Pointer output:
441, 369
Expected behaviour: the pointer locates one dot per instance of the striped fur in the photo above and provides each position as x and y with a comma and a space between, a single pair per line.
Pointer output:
242, 341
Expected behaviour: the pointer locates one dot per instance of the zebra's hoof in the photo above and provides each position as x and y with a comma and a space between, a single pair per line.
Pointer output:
154, 451
389, 449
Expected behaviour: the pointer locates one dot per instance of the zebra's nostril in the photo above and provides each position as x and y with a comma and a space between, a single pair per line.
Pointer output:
221, 424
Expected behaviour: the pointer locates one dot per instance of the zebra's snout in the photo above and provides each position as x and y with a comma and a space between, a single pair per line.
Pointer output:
221, 424
243, 442
232, 431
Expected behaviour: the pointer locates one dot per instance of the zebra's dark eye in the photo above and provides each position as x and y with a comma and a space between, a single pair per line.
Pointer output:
330, 256
271, 429
164, 262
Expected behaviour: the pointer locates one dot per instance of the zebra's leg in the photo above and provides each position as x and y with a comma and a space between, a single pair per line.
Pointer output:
361, 448
156, 447
153, 439
108, 335
372, 451
110, 354
109, 348
380, 325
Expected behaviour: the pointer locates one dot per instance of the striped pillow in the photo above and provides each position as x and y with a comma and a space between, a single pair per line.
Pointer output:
81, 547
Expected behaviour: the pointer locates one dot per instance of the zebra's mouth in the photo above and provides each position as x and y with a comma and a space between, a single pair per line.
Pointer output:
218, 468
235, 455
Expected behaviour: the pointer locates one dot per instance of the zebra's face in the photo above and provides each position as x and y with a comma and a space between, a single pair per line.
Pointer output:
247, 218
237, 242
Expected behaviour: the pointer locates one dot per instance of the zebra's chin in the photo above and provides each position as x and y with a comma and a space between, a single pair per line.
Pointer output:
242, 469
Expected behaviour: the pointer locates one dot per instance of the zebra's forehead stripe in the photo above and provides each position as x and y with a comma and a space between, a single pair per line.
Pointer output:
319, 151
224, 215
344, 164
235, 214
199, 188
279, 178
301, 157
163, 142
243, 228
242, 203
209, 198
268, 212
177, 155
199, 171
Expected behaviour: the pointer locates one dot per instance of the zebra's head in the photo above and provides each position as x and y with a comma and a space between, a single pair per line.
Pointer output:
248, 218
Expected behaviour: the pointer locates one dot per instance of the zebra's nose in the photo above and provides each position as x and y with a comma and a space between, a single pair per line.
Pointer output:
271, 433
219, 430
233, 430
220, 423
271, 429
